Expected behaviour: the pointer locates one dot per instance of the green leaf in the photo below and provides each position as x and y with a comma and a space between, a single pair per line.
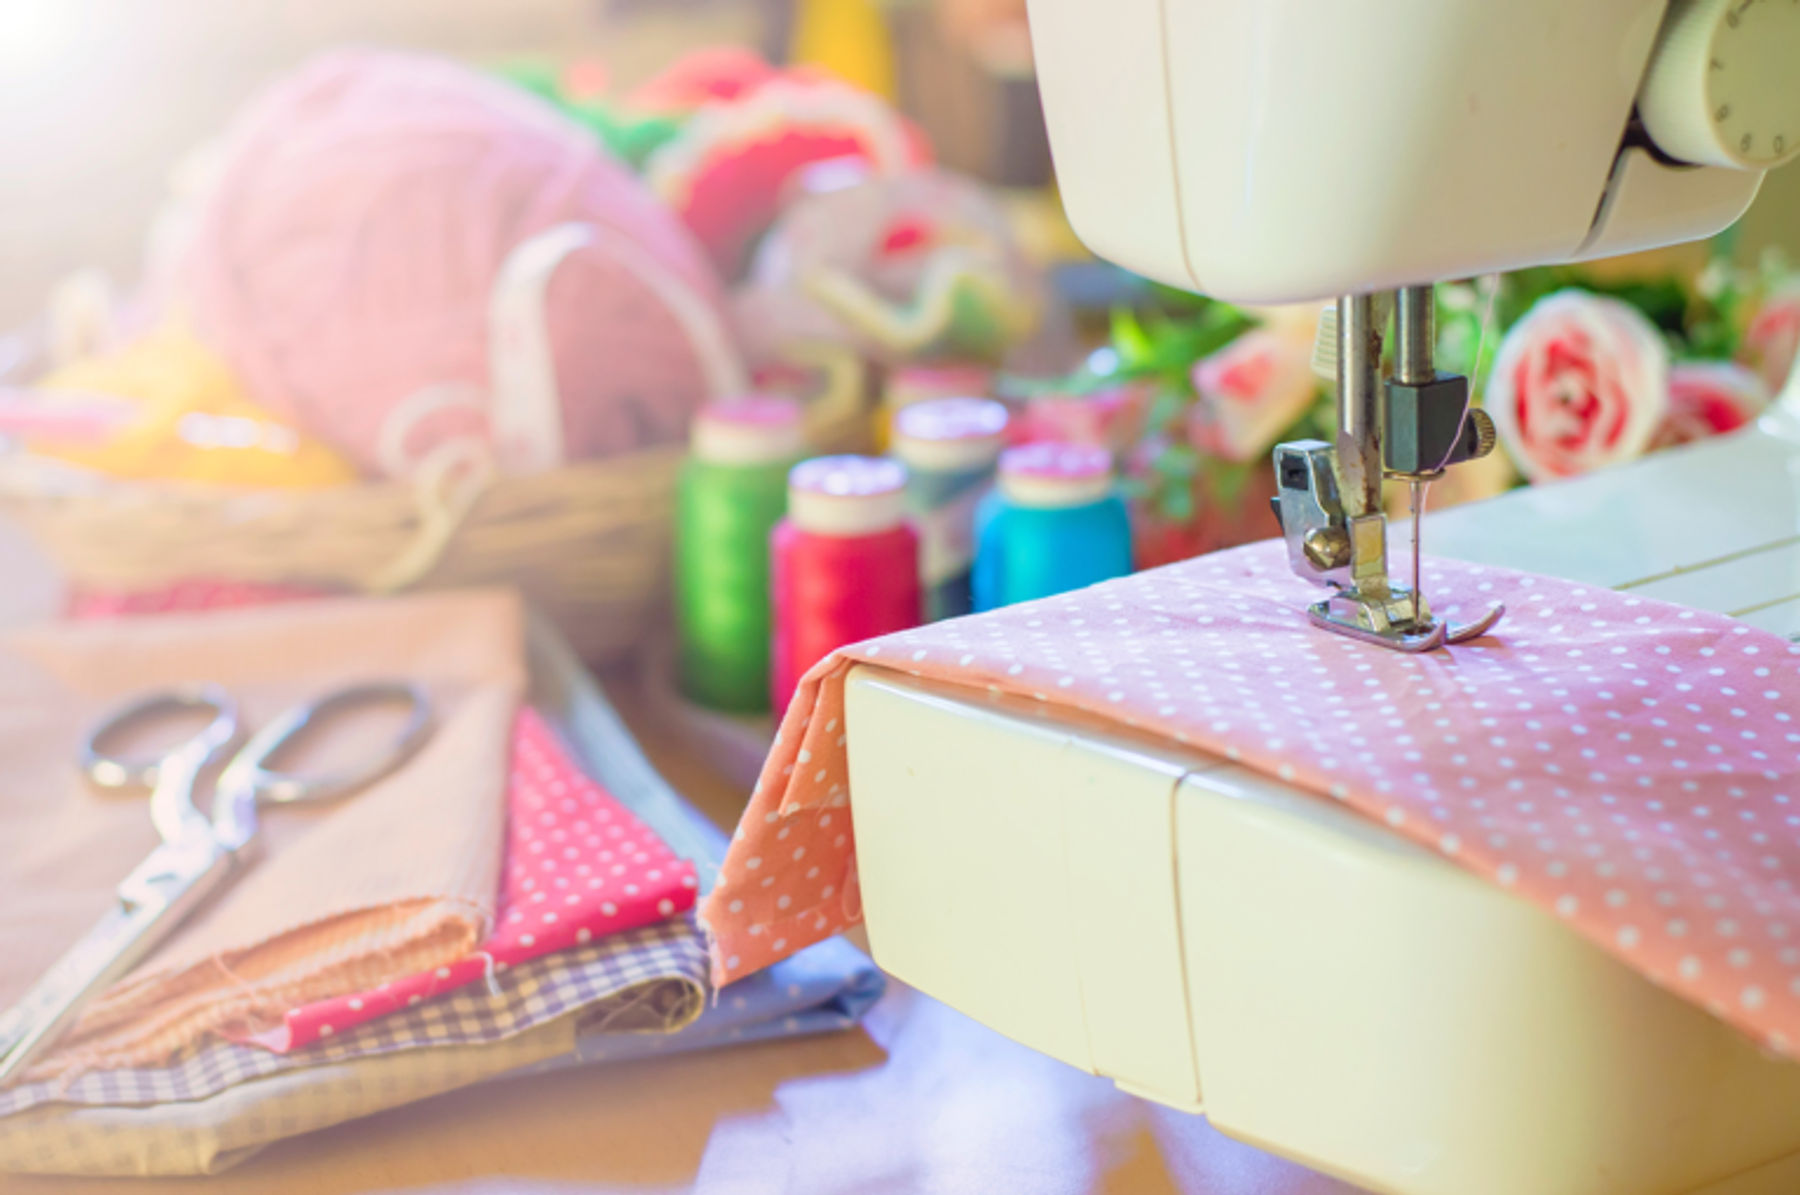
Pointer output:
1131, 341
1226, 480
536, 75
1165, 344
1179, 462
1168, 408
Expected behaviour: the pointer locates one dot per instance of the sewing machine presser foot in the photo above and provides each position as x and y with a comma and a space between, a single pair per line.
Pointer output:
1411, 638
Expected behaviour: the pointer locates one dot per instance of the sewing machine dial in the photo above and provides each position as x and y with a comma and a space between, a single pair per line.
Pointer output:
1722, 89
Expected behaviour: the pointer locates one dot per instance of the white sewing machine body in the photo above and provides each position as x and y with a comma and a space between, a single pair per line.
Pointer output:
1268, 151
1211, 939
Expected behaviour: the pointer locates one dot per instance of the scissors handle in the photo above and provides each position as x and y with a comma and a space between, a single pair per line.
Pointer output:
247, 780
196, 857
155, 898
170, 775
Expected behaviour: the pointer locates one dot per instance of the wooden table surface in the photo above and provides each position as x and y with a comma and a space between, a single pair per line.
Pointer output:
921, 1099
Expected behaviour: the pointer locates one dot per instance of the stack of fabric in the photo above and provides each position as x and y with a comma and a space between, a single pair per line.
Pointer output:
518, 896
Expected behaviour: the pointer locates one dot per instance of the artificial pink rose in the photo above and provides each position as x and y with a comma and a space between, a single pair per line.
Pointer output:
1773, 338
1709, 398
1580, 382
1249, 392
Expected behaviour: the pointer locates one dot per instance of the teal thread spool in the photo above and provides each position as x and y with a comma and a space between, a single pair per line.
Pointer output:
732, 492
950, 447
1054, 523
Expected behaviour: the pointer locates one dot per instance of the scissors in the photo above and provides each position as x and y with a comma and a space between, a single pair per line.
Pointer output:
199, 854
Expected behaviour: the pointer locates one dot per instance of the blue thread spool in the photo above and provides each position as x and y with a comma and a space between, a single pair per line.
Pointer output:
950, 447
1054, 523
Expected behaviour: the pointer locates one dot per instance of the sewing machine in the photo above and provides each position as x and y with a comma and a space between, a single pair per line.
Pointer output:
1316, 985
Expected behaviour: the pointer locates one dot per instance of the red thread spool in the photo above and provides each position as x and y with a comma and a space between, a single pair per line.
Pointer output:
844, 563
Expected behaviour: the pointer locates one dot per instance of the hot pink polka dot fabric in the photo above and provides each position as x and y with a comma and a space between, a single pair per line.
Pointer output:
1630, 766
196, 594
578, 866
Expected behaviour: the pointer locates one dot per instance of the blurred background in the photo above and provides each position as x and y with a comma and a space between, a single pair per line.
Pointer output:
234, 258
99, 98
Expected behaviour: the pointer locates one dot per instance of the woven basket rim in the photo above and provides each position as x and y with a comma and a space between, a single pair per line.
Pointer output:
99, 486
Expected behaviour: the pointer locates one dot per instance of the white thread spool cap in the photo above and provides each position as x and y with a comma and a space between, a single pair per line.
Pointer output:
847, 495
950, 434
1054, 475
752, 429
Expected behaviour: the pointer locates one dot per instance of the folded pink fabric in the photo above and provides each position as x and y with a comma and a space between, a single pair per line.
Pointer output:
1629, 765
579, 866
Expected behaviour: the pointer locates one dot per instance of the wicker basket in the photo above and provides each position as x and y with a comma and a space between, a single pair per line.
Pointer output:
588, 543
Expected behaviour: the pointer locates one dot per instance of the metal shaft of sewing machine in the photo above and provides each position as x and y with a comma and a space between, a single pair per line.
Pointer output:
1359, 463
1415, 352
1410, 427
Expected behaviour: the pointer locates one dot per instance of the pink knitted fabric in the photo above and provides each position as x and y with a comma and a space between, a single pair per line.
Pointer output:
1629, 765
344, 259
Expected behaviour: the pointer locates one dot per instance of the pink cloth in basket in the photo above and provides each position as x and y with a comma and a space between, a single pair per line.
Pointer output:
195, 594
579, 866
1629, 765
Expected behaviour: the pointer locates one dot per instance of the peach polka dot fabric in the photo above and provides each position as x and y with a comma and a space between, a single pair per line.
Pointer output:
579, 866
1630, 766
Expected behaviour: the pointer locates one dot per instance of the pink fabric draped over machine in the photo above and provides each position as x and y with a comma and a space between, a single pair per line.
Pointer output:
1629, 765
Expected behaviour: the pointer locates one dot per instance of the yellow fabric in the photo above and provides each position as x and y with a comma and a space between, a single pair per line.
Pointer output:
193, 421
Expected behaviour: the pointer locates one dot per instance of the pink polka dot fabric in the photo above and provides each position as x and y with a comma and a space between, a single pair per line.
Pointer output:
197, 594
1628, 765
578, 866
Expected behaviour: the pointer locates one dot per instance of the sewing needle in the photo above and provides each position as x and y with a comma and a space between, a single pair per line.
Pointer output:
1416, 500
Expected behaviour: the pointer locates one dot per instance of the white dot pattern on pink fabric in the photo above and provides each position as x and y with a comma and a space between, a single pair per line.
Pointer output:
1630, 766
556, 816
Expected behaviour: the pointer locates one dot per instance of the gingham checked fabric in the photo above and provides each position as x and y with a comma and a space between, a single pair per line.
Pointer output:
207, 1135
650, 980
823, 989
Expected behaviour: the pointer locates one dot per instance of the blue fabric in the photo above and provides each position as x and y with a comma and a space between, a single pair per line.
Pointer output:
824, 988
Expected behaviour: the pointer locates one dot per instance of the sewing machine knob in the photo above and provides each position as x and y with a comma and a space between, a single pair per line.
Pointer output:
1327, 547
1720, 89
1474, 439
1486, 434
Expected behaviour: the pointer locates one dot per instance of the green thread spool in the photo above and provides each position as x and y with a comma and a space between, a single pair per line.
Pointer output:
732, 492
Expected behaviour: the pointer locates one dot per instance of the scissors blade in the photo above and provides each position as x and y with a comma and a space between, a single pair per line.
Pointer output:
153, 900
